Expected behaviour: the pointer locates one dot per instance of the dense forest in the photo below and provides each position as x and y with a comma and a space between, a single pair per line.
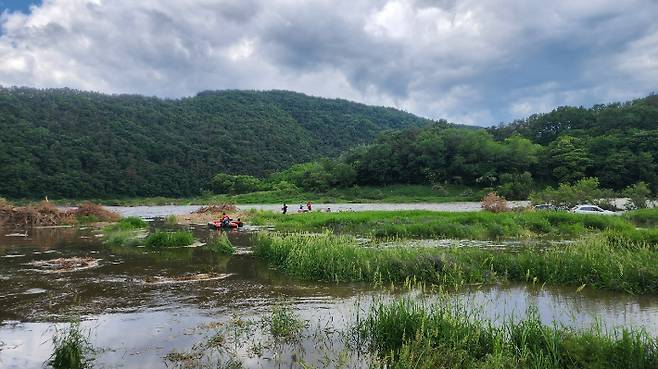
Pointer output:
616, 143
69, 143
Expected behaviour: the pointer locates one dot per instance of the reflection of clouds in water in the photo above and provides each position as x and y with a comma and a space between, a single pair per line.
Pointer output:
141, 339
566, 306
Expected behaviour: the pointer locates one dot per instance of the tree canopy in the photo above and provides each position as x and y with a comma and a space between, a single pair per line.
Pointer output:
75, 144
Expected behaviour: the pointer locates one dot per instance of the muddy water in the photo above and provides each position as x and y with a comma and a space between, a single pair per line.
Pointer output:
141, 305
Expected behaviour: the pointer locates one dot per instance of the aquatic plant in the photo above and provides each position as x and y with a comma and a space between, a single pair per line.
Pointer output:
283, 323
609, 261
72, 349
171, 220
220, 244
124, 232
130, 223
408, 333
464, 225
122, 238
169, 239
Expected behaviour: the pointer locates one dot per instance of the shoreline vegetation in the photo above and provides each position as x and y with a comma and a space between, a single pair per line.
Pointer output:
408, 333
610, 260
464, 225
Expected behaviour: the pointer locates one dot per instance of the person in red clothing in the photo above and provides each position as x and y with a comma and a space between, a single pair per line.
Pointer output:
308, 206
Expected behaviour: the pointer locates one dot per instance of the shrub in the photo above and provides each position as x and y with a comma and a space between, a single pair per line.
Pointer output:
169, 239
566, 196
515, 186
221, 245
494, 203
638, 194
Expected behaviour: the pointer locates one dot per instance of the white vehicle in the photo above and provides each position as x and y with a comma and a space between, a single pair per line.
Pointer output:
591, 209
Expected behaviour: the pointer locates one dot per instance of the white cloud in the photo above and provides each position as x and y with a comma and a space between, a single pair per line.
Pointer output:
472, 61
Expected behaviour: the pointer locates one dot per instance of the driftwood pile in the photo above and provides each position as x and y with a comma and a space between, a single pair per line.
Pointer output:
41, 214
47, 214
94, 210
215, 209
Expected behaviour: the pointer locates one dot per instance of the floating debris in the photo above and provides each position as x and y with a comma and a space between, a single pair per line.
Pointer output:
16, 235
201, 277
34, 291
63, 265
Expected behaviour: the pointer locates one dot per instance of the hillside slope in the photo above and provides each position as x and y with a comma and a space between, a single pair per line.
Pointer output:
68, 143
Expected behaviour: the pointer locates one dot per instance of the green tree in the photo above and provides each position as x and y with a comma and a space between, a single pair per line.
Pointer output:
569, 159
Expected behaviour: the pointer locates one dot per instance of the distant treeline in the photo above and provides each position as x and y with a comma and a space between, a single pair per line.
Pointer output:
616, 143
74, 144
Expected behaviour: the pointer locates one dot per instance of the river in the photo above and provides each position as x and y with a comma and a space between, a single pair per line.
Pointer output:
140, 305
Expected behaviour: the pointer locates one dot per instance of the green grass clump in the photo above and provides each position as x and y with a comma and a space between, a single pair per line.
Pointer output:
171, 220
87, 219
464, 225
221, 245
124, 232
643, 217
127, 224
120, 237
72, 349
283, 323
608, 261
411, 334
161, 239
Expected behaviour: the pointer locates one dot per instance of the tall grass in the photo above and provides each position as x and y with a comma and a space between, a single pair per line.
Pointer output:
124, 232
220, 244
609, 261
161, 239
643, 217
465, 225
128, 223
72, 349
413, 334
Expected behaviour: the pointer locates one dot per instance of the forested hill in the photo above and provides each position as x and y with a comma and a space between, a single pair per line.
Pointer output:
68, 143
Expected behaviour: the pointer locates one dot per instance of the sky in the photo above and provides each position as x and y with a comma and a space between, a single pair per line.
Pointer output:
471, 62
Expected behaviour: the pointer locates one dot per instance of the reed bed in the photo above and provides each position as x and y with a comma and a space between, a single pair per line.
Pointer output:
607, 261
409, 334
125, 232
160, 239
430, 224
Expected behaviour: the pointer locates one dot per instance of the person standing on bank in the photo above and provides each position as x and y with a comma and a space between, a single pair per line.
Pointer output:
284, 208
